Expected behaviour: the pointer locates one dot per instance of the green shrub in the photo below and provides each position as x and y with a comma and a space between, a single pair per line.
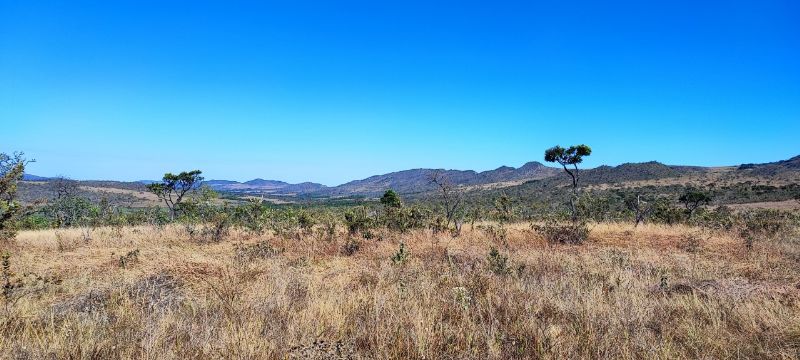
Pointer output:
306, 221
252, 216
35, 221
665, 213
498, 263
357, 220
401, 256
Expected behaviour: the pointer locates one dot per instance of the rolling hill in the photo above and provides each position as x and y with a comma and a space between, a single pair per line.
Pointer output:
264, 187
419, 180
533, 180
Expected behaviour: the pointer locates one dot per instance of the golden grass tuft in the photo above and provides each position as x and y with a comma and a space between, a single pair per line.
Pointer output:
626, 293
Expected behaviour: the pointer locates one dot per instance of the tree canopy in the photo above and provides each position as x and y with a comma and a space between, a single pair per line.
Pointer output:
12, 167
694, 199
172, 188
569, 156
391, 199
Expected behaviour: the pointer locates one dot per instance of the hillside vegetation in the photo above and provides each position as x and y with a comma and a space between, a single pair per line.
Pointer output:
748, 183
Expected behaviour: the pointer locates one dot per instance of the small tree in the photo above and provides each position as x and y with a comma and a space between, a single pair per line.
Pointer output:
395, 216
391, 200
173, 188
503, 208
664, 212
11, 170
65, 207
474, 214
306, 221
694, 199
641, 209
357, 220
63, 187
569, 157
451, 200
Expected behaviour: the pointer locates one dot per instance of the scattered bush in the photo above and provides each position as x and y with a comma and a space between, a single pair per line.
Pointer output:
252, 216
560, 233
259, 251
203, 219
306, 221
694, 199
438, 225
752, 226
356, 220
498, 234
401, 255
663, 212
351, 247
498, 263
129, 259
503, 209
368, 235
11, 170
329, 223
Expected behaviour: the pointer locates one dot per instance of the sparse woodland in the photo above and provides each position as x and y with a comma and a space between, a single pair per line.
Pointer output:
450, 277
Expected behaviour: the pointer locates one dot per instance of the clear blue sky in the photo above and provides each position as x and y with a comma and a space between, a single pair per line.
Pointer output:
333, 91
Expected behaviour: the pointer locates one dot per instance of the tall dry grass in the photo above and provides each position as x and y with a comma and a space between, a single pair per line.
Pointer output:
626, 293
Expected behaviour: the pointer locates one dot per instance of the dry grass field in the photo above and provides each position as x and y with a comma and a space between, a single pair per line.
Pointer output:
650, 292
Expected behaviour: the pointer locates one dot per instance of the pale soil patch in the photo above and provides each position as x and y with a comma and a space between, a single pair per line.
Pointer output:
144, 198
267, 199
776, 205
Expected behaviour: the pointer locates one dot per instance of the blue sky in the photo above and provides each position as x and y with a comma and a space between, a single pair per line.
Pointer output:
334, 91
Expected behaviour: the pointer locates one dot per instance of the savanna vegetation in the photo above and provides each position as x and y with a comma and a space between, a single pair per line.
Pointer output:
618, 273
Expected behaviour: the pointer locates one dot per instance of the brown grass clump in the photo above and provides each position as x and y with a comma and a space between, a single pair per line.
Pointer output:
624, 293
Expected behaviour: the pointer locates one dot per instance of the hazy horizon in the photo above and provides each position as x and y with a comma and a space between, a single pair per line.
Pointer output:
207, 178
330, 93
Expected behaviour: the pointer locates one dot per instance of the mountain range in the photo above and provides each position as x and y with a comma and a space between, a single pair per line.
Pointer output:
532, 176
406, 181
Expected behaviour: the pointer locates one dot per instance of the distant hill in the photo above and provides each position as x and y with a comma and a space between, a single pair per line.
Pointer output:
419, 180
266, 183
405, 182
533, 180
773, 168
261, 186
31, 177
212, 183
651, 170
748, 183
